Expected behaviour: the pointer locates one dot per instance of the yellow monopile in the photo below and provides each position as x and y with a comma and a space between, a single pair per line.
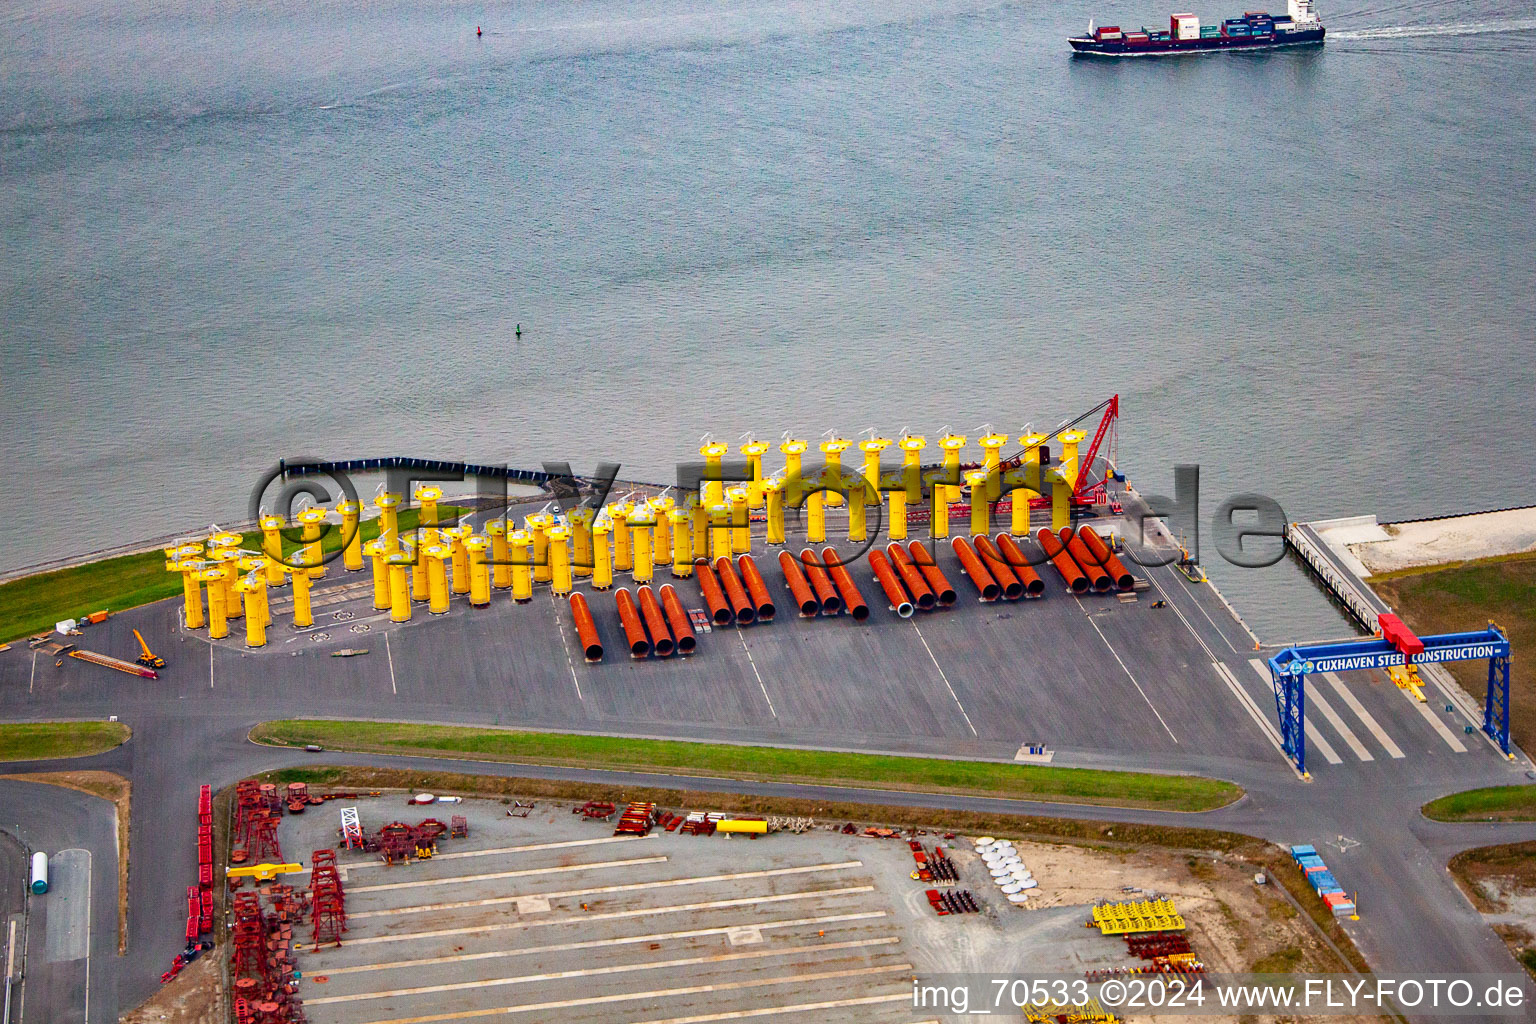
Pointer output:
420, 579
714, 487
312, 520
457, 536
218, 619
191, 593
698, 517
938, 518
377, 551
897, 530
872, 449
389, 519
719, 532
351, 534
479, 572
521, 542
980, 521
794, 488
427, 496
912, 446
682, 544
992, 445
602, 557
857, 510
1070, 468
741, 521
661, 549
623, 553
773, 494
754, 451
1061, 498
430, 567
303, 615
227, 558
256, 564
642, 525
399, 587
1031, 460
559, 560
816, 516
953, 445
501, 554
272, 547
255, 625
832, 451
580, 525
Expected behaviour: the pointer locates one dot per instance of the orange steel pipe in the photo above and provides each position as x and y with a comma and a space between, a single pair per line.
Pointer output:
1095, 571
682, 629
746, 611
1051, 545
799, 589
634, 632
719, 612
891, 585
1105, 557
656, 623
831, 604
586, 629
1018, 561
1013, 587
852, 599
757, 590
975, 570
910, 576
932, 573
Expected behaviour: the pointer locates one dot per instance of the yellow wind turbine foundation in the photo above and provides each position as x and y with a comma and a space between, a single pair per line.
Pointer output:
623, 550
579, 522
218, 621
377, 551
430, 566
538, 525
272, 547
661, 508
793, 451
912, 446
953, 445
479, 573
753, 452
303, 614
992, 460
427, 496
399, 587
521, 542
938, 517
389, 519
255, 627
312, 520
641, 527
741, 521
980, 521
351, 534
773, 497
456, 537
560, 560
602, 556
832, 451
501, 554
682, 544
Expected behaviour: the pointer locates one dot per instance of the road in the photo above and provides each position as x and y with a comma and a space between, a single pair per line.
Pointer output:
1177, 688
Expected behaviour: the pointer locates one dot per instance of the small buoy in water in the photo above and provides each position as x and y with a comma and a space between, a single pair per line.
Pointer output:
519, 330
477, 31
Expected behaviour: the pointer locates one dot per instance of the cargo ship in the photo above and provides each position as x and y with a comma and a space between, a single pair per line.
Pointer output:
1255, 30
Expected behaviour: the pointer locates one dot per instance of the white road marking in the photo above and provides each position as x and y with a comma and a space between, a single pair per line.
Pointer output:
1124, 669
1366, 718
624, 940
951, 689
34, 672
1190, 587
1320, 702
1314, 737
1451, 739
596, 972
658, 994
390, 654
570, 660
1265, 726
567, 844
210, 666
751, 661
766, 1011
522, 873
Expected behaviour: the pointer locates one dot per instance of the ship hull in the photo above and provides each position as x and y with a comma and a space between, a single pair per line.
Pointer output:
1084, 46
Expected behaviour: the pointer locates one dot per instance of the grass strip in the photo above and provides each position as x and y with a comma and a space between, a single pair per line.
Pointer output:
34, 603
774, 764
1493, 803
42, 741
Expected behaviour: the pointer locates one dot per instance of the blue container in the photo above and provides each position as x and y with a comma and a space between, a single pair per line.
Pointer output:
1310, 860
1302, 849
1323, 881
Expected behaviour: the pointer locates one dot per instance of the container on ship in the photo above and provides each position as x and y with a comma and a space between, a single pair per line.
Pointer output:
1255, 30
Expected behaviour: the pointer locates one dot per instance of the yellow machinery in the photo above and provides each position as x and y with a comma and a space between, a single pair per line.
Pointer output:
661, 548
389, 519
521, 542
832, 451
980, 520
149, 659
479, 573
748, 826
992, 445
264, 872
427, 496
501, 554
602, 557
623, 551
793, 451
714, 487
682, 544
579, 522
399, 587
538, 526
642, 527
912, 446
1407, 678
351, 534
377, 551
456, 536
741, 521
312, 520
773, 497
754, 451
1138, 916
560, 559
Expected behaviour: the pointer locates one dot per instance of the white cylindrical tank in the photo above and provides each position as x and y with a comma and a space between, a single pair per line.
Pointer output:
39, 873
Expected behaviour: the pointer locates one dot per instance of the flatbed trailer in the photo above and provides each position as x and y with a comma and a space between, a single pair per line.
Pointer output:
107, 661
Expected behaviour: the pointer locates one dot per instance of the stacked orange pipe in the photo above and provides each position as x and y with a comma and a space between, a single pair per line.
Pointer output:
921, 594
682, 629
586, 629
985, 584
1018, 561
1051, 545
714, 598
757, 590
831, 604
932, 573
1091, 567
634, 632
1107, 558
852, 599
1013, 587
746, 611
656, 623
799, 589
894, 592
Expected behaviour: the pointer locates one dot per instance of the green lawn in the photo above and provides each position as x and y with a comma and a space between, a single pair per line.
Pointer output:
34, 603
40, 741
979, 778
1495, 803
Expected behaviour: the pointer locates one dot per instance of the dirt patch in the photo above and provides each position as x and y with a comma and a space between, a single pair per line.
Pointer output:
109, 786
195, 996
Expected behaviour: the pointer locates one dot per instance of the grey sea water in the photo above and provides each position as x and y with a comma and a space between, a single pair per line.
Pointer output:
238, 232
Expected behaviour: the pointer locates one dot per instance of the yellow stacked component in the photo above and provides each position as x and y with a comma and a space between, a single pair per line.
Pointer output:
833, 452
992, 445
456, 537
816, 516
978, 480
479, 572
389, 519
682, 544
741, 521
953, 445
521, 542
938, 518
793, 451
857, 504
501, 554
351, 534
377, 551
602, 558
719, 532
257, 565
642, 531
661, 548
754, 451
872, 449
312, 520
773, 496
623, 550
897, 530
1139, 916
303, 616
559, 560
538, 526
698, 517
226, 557
272, 547
1061, 498
1070, 468
420, 576
912, 446
218, 621
714, 487
579, 522
428, 497
1031, 460
255, 625
399, 587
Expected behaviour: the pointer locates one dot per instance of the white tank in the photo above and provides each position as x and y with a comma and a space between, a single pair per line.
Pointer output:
39, 873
